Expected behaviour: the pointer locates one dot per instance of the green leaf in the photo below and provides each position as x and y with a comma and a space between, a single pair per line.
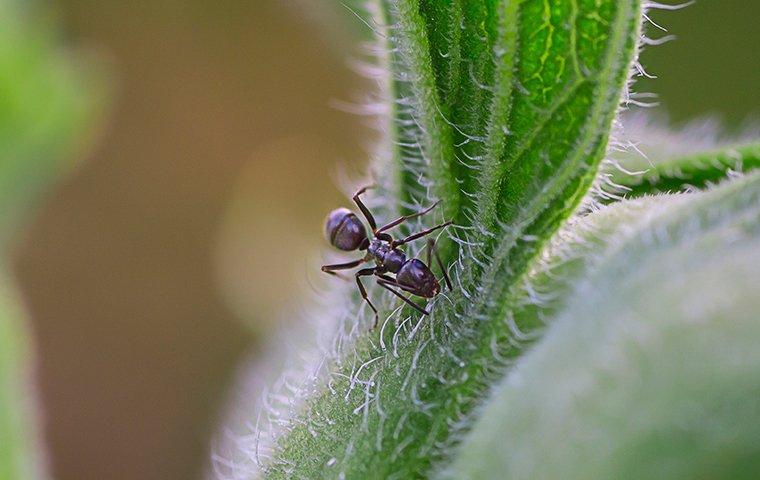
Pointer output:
502, 110
652, 369
694, 171
651, 157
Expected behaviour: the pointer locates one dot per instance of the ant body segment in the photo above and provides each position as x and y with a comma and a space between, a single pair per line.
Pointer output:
346, 232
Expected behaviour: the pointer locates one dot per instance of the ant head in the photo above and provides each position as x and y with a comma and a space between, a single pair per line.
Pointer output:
345, 231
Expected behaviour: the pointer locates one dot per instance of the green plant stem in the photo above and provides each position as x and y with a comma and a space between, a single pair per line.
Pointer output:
393, 402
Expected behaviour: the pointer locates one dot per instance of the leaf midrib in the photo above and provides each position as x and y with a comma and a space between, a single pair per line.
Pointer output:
538, 203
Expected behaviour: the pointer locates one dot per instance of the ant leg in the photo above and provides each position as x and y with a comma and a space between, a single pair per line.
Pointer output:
398, 243
434, 251
363, 273
393, 282
385, 284
342, 266
364, 209
404, 218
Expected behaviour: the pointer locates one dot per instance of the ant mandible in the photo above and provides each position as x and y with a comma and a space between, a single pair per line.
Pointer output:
346, 232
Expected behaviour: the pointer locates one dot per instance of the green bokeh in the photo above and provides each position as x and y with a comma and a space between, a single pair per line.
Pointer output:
46, 102
46, 99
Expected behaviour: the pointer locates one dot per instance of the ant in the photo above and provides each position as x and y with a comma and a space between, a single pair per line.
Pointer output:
346, 232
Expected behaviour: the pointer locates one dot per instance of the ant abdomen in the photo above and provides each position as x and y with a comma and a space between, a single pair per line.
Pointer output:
416, 275
345, 231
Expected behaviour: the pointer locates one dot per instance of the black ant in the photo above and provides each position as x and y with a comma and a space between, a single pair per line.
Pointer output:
346, 232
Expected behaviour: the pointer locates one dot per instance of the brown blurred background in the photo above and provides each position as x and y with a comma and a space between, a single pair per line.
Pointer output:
136, 345
154, 268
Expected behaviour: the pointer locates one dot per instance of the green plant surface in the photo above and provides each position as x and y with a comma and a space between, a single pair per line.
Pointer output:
19, 455
502, 110
689, 172
573, 251
652, 369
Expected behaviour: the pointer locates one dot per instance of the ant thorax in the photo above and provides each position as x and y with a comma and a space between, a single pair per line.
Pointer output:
389, 258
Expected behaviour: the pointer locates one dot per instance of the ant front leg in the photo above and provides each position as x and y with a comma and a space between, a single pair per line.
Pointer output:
364, 273
404, 218
331, 269
398, 243
431, 250
364, 209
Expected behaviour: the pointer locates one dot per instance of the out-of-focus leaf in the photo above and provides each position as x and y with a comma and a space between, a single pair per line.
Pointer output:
652, 369
47, 103
20, 457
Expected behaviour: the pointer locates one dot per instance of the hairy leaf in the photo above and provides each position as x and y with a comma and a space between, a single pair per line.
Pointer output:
502, 110
695, 171
652, 370
649, 156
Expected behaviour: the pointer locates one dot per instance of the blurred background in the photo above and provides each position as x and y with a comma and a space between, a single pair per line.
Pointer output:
188, 228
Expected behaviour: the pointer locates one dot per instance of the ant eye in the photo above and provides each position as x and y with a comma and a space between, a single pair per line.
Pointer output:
344, 230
